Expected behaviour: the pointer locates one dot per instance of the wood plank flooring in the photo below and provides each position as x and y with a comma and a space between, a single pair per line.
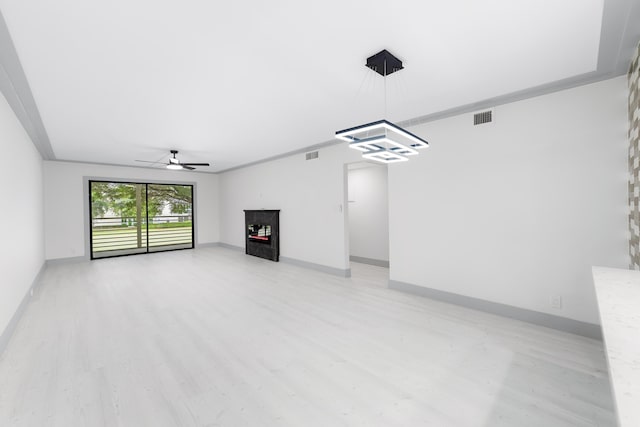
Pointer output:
212, 337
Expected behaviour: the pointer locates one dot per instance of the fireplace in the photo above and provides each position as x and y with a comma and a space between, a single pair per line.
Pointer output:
262, 233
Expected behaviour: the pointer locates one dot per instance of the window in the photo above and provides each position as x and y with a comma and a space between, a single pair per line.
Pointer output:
133, 218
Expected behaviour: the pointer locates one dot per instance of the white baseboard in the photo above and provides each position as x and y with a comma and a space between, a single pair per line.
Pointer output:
6, 335
564, 324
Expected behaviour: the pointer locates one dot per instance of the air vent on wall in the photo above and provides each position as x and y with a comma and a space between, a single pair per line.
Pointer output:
312, 155
483, 117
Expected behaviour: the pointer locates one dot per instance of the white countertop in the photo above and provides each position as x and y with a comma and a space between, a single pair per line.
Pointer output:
618, 293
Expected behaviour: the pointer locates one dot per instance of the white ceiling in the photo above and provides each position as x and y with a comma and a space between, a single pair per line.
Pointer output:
236, 82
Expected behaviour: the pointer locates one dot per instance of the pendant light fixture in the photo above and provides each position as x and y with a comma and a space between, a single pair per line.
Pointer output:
382, 140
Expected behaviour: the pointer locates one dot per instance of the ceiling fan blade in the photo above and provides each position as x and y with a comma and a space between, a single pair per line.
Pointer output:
147, 161
195, 164
186, 167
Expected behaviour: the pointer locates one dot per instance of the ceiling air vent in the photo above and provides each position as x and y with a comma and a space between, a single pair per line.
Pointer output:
312, 155
483, 117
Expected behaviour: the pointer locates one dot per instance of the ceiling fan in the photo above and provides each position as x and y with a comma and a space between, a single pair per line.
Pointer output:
175, 164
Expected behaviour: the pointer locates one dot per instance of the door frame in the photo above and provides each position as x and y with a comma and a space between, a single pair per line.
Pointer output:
87, 207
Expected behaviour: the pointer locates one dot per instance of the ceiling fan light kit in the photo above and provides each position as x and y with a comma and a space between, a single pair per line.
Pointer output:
382, 140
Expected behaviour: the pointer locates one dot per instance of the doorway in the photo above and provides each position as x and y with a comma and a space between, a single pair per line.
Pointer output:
368, 220
130, 218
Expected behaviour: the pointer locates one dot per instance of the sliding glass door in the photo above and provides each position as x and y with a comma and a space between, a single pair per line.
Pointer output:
133, 218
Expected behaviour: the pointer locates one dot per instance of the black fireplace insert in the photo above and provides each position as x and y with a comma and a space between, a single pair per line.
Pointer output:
260, 233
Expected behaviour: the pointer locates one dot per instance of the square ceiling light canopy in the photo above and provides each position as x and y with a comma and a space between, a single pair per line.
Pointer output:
384, 63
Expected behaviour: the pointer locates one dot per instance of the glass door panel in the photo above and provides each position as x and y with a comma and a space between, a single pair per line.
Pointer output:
170, 217
118, 219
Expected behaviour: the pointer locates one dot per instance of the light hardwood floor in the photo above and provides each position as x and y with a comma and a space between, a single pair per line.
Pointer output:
212, 337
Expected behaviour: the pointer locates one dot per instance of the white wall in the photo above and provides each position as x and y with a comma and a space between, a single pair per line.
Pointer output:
64, 201
21, 213
310, 195
514, 212
517, 211
369, 212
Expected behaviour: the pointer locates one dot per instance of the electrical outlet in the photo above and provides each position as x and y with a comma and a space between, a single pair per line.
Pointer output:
556, 302
31, 292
